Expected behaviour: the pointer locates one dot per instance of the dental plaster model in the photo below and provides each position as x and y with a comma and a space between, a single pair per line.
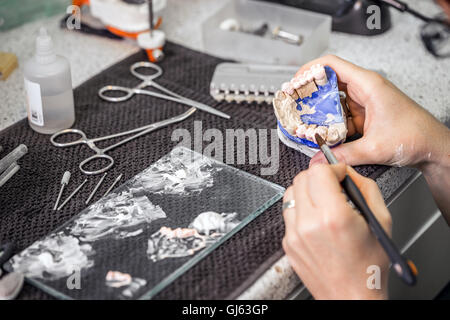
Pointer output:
308, 105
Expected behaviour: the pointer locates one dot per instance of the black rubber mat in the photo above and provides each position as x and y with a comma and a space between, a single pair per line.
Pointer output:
26, 200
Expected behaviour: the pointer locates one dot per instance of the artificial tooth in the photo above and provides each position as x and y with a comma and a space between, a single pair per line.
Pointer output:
320, 76
300, 132
321, 131
289, 89
310, 133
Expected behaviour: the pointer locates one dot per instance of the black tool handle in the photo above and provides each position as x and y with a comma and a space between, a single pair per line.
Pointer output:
399, 263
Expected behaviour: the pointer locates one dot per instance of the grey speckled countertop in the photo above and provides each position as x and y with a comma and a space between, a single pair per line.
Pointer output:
399, 53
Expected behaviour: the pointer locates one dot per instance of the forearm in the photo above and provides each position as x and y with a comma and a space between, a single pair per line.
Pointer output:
437, 171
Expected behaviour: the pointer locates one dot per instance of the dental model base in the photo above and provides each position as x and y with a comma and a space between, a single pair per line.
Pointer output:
308, 105
242, 82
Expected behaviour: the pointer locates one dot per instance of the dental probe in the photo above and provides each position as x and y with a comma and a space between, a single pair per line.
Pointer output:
112, 186
72, 194
64, 181
96, 188
405, 268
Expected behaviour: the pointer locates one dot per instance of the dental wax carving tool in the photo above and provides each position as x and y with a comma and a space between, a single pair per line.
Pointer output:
96, 188
310, 104
72, 194
405, 269
113, 184
64, 181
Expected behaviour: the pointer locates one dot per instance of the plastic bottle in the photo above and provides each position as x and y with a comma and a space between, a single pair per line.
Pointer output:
48, 84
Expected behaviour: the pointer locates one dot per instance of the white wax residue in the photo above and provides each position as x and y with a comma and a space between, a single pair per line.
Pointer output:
206, 229
210, 221
181, 172
117, 279
120, 216
168, 243
55, 257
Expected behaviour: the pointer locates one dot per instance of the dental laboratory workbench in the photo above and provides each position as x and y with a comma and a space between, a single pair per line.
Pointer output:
419, 230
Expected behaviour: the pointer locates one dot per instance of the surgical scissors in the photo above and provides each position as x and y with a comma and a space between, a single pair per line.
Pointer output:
101, 153
148, 81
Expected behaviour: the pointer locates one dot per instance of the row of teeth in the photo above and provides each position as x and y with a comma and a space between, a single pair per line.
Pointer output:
305, 84
238, 97
330, 135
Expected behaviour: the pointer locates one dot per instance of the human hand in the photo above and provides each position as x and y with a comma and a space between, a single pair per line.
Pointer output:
396, 130
327, 242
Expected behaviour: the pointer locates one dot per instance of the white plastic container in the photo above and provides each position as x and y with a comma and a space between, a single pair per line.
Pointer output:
48, 84
314, 27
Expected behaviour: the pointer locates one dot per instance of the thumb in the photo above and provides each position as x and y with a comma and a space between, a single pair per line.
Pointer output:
352, 153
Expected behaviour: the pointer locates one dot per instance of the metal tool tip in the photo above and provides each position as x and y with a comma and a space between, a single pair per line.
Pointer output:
65, 178
319, 140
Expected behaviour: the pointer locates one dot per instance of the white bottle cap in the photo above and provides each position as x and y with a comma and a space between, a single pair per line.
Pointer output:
44, 47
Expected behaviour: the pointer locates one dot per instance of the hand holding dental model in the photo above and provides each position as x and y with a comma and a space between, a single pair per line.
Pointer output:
327, 242
308, 105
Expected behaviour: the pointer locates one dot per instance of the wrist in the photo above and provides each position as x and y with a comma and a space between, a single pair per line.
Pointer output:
436, 158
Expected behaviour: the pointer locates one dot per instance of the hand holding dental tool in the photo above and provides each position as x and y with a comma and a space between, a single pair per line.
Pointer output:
148, 81
405, 269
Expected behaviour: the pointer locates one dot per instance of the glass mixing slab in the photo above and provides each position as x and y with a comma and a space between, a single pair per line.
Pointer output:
134, 242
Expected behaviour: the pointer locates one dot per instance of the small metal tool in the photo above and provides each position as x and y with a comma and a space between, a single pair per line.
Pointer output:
12, 157
288, 37
8, 173
96, 188
64, 181
72, 194
149, 81
112, 186
150, 16
101, 153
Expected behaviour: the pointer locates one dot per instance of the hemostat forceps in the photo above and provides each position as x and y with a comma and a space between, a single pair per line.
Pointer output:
148, 81
101, 153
